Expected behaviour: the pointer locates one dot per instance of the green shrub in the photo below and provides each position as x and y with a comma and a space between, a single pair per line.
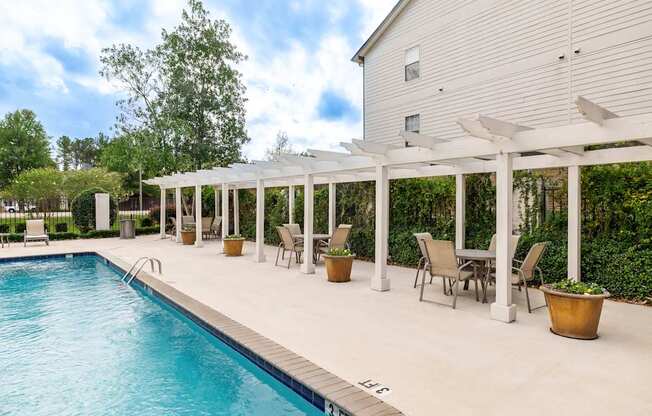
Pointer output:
101, 234
64, 236
4, 228
61, 227
339, 252
147, 230
20, 227
577, 288
146, 222
83, 210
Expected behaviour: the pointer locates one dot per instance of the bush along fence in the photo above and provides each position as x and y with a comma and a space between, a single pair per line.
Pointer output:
616, 220
65, 221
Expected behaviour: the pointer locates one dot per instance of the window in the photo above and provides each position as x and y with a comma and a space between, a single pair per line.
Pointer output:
413, 123
412, 63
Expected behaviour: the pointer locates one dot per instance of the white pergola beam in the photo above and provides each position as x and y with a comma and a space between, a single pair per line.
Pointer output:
593, 112
501, 128
420, 140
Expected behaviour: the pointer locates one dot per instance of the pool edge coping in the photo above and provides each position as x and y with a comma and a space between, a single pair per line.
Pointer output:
310, 381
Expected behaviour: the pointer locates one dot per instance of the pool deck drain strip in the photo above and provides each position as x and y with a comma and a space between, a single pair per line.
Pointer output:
312, 382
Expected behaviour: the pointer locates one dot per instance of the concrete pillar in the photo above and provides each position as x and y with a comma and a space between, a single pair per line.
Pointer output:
291, 204
260, 221
198, 217
178, 213
460, 211
308, 266
236, 212
574, 223
380, 281
503, 309
163, 213
216, 196
225, 210
332, 208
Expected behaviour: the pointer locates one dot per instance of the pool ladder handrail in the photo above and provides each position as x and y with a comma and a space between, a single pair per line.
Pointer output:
140, 263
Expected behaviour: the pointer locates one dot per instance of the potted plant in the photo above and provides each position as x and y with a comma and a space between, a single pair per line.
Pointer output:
338, 265
233, 245
188, 234
574, 308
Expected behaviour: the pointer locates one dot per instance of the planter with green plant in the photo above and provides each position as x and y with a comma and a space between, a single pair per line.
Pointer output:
233, 245
574, 308
188, 235
339, 262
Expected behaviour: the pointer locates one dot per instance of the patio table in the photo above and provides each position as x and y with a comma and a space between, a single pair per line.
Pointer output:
316, 238
483, 258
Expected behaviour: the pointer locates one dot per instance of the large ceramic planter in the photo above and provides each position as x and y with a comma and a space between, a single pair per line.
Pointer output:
188, 237
338, 268
233, 247
574, 316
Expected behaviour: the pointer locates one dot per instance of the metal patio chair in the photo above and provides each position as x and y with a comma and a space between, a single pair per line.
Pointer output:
288, 243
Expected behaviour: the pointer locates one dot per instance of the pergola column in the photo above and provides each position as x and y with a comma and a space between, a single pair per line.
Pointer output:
460, 211
178, 215
163, 213
198, 217
332, 207
574, 223
225, 210
260, 220
236, 212
308, 266
380, 281
216, 197
503, 309
291, 204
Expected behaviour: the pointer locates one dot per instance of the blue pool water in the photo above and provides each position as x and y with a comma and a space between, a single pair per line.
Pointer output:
74, 340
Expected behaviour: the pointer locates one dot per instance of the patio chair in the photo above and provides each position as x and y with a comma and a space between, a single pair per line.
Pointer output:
173, 231
206, 226
35, 231
288, 243
423, 261
216, 227
339, 239
512, 247
527, 269
187, 220
443, 263
295, 229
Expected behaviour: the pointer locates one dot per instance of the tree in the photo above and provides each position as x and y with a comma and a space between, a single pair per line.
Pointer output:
85, 153
75, 182
23, 145
185, 98
64, 152
35, 185
281, 145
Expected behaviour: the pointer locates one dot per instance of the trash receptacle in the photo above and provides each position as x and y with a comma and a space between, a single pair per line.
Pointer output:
127, 229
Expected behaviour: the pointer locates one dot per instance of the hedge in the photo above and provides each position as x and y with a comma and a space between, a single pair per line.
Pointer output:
616, 225
89, 235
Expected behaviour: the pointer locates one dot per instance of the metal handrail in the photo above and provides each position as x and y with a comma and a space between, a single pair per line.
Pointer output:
140, 263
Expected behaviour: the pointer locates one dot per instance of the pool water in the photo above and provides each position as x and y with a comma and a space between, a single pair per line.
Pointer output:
74, 340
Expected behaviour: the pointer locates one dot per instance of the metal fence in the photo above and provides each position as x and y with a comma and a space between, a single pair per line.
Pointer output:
58, 217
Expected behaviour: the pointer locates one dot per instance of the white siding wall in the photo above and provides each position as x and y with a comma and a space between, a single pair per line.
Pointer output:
502, 59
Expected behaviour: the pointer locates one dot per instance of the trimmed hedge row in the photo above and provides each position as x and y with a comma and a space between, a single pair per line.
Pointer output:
89, 235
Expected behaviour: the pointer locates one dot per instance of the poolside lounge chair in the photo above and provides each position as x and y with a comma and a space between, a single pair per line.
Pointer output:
443, 263
35, 231
288, 243
339, 239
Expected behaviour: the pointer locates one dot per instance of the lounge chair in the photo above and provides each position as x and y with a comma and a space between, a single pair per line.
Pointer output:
35, 231
288, 243
339, 239
443, 263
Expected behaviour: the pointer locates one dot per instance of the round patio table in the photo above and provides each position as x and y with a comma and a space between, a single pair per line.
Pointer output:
482, 258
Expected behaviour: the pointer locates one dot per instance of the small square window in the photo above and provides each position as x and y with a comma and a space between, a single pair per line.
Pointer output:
412, 57
413, 123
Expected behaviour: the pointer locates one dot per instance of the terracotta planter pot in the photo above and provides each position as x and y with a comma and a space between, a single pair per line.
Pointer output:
574, 316
188, 237
233, 247
338, 268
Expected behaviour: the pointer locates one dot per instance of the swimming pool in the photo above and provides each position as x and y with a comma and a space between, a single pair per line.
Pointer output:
74, 340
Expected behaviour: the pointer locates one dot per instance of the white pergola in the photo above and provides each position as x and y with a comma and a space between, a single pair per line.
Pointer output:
490, 145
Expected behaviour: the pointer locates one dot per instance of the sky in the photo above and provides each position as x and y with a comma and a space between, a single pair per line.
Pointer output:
298, 74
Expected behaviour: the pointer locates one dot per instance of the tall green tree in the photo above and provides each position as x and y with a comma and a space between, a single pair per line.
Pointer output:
185, 97
24, 145
64, 153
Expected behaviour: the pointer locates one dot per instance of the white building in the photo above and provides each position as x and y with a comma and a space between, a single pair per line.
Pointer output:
431, 62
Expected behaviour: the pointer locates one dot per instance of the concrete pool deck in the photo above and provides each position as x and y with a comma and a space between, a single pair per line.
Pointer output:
434, 359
